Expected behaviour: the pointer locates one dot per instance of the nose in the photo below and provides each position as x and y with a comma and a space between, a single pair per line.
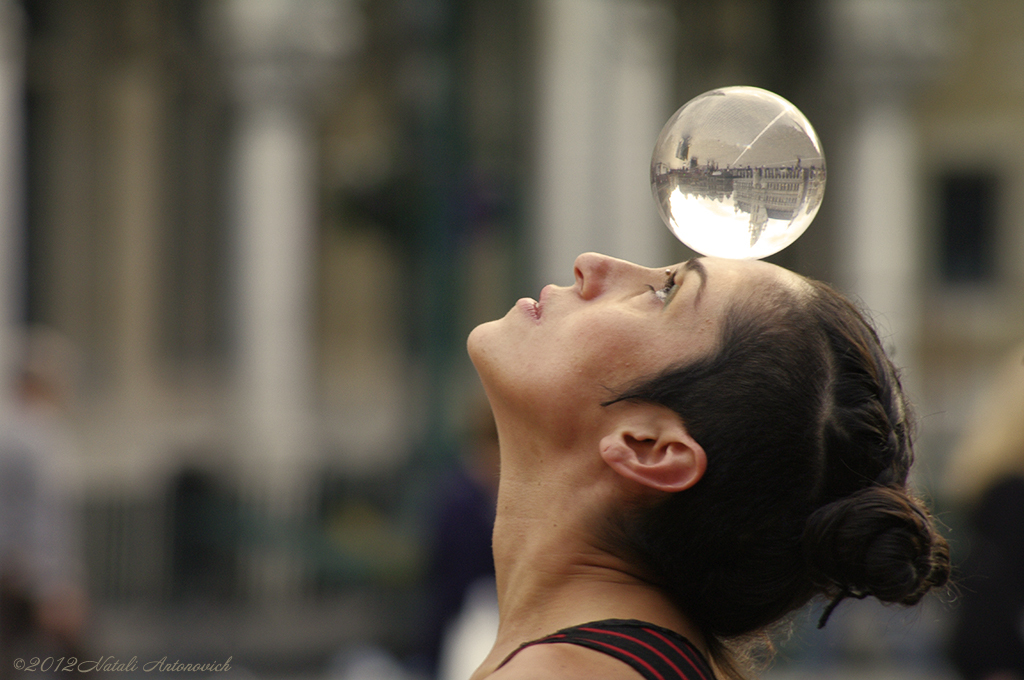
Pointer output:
595, 273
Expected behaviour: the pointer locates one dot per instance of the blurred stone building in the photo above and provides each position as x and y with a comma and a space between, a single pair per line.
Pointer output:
268, 226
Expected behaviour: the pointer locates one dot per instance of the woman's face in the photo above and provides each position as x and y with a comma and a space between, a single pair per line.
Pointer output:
577, 346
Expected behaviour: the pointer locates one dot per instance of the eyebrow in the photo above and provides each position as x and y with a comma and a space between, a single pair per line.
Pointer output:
695, 265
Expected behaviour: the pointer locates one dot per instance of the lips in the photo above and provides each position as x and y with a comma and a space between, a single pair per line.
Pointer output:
534, 308
529, 307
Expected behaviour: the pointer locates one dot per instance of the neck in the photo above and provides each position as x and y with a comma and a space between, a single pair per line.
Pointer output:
551, 572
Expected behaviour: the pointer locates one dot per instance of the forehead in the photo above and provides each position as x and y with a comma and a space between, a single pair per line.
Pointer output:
747, 267
729, 279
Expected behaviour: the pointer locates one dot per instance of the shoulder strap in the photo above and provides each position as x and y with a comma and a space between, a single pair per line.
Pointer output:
656, 653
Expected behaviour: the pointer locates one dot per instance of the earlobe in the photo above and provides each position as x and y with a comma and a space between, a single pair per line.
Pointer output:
665, 458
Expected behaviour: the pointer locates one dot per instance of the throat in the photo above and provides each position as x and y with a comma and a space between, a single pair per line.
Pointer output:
552, 580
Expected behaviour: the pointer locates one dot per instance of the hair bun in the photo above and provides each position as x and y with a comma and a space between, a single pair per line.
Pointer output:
877, 541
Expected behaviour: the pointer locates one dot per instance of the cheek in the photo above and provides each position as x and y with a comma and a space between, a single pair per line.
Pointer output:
561, 368
605, 358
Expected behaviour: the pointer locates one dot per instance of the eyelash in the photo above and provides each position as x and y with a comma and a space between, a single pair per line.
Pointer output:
669, 285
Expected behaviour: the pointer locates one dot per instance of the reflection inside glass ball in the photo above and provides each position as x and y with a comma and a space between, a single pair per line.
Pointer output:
738, 172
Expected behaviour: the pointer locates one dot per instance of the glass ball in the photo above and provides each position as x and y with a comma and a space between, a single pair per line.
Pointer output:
738, 172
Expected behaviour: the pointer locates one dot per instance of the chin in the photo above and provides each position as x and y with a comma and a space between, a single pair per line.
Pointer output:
478, 342
494, 357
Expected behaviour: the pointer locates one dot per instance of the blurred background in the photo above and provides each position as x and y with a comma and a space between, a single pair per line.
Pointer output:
242, 243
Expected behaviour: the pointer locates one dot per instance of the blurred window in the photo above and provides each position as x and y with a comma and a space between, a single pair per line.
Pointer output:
968, 205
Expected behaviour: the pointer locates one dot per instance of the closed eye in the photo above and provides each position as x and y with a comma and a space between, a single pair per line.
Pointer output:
665, 292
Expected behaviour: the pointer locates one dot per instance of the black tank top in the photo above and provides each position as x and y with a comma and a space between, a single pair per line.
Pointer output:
656, 653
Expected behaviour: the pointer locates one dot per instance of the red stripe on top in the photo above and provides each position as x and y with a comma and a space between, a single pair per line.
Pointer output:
644, 644
620, 650
684, 654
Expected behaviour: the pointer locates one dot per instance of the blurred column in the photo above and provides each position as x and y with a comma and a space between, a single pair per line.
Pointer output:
885, 48
281, 53
137, 106
12, 92
604, 97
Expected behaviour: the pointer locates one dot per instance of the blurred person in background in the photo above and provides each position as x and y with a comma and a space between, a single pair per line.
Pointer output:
462, 618
687, 456
43, 602
986, 476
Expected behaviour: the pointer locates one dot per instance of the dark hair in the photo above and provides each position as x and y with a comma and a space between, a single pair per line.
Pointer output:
808, 440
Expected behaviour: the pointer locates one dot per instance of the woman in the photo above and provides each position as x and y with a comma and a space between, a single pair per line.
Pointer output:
687, 455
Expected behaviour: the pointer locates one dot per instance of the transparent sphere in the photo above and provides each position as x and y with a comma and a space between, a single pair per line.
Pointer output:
738, 172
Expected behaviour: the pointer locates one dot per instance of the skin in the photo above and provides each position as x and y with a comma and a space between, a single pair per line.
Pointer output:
566, 460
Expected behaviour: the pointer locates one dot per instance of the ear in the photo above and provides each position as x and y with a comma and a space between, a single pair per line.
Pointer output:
652, 446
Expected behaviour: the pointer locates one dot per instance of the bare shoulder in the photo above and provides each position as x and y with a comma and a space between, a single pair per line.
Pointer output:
563, 662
